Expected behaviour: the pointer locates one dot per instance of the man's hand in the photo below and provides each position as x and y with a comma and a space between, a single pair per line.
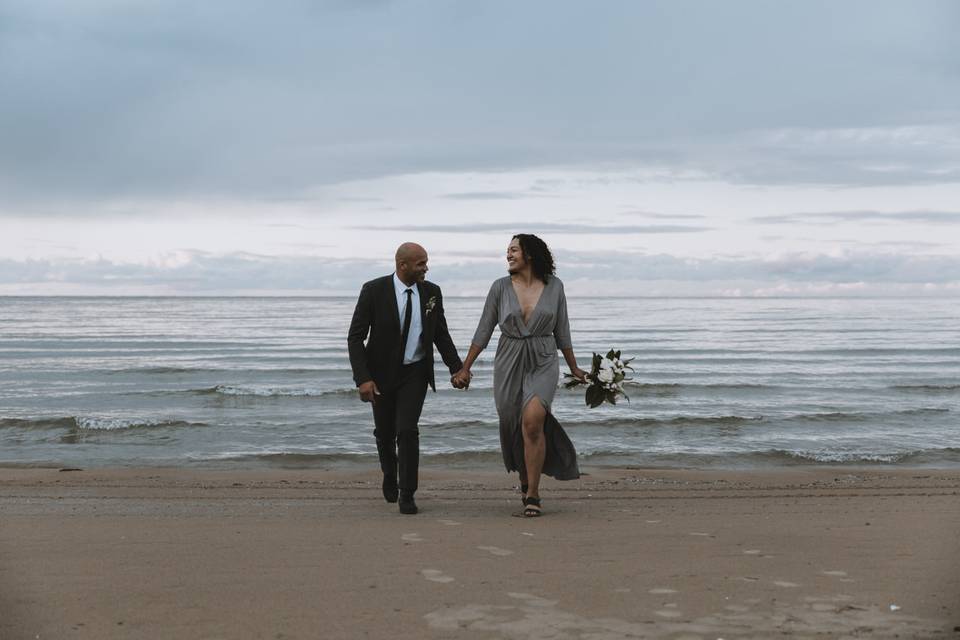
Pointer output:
369, 392
461, 379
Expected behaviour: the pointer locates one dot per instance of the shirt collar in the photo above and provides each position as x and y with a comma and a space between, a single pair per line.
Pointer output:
399, 287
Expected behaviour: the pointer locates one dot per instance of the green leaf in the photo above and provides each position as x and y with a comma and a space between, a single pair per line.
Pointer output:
594, 396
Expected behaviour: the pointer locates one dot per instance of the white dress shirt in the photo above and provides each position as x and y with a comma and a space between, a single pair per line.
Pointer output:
412, 352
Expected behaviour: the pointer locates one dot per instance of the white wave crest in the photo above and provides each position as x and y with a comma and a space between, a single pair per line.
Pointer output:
847, 456
114, 424
239, 390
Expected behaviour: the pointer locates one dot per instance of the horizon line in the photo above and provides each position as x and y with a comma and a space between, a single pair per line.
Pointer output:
576, 297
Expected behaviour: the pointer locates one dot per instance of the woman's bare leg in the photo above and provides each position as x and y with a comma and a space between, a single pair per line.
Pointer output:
534, 444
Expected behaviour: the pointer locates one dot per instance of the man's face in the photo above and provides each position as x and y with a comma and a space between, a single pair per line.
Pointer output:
516, 261
414, 269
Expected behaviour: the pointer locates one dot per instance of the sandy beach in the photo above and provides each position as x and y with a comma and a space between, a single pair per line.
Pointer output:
173, 553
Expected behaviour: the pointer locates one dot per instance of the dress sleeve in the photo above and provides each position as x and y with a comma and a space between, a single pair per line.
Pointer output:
489, 317
561, 330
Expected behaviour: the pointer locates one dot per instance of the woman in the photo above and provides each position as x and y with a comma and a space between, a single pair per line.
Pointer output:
531, 309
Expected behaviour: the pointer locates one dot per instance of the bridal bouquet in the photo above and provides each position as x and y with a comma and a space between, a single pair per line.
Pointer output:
605, 380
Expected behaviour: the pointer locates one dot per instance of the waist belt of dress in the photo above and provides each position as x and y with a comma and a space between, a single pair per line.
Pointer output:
528, 353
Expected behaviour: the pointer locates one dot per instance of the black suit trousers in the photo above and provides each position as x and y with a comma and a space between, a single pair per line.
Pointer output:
395, 417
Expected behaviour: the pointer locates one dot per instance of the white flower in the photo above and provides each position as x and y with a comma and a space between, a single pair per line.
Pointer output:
606, 375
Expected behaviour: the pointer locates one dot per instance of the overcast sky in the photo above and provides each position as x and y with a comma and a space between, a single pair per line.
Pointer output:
661, 148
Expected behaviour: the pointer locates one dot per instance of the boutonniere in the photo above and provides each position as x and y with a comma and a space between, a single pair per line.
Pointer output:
431, 303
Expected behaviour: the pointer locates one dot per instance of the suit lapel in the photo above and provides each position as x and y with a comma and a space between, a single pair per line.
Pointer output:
424, 332
391, 294
422, 294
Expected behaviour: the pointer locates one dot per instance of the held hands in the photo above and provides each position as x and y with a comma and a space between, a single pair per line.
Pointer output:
369, 392
461, 379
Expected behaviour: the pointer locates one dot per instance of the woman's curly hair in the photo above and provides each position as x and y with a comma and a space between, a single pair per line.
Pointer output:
537, 254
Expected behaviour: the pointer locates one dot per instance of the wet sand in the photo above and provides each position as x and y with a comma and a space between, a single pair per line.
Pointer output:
173, 553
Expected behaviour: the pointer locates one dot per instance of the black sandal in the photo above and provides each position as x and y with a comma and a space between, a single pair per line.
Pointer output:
531, 508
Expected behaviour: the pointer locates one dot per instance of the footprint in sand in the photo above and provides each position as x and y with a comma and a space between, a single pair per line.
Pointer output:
411, 537
785, 584
661, 591
435, 575
533, 600
815, 599
450, 523
497, 551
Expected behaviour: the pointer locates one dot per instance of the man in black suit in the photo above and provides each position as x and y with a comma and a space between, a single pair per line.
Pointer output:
403, 314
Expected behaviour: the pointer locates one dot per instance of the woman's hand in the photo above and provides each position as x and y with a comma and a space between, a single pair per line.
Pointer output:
461, 379
579, 374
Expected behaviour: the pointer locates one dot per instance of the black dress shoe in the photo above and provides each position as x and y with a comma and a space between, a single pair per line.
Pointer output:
390, 490
407, 505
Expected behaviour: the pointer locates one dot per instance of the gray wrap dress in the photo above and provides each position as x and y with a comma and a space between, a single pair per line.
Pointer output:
526, 366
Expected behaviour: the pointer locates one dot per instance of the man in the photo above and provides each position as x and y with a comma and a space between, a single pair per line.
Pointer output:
404, 316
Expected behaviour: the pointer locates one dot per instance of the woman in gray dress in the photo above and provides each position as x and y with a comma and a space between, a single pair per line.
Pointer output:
530, 307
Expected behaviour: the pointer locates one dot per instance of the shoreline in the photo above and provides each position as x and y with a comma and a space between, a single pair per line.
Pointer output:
620, 553
363, 463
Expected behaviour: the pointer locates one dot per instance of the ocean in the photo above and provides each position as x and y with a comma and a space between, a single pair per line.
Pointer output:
261, 382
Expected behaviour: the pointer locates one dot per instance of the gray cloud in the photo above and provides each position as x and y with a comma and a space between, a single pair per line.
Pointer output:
542, 227
620, 272
662, 216
255, 100
849, 267
201, 273
493, 195
927, 217
908, 244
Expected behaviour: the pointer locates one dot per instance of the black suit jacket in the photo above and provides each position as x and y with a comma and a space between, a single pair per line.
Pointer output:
376, 312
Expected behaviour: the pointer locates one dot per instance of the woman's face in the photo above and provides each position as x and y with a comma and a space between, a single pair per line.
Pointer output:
516, 261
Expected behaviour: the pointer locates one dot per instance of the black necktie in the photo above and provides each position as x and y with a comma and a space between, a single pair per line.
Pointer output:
407, 316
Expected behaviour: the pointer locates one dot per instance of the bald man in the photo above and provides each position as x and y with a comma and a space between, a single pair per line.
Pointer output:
403, 314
